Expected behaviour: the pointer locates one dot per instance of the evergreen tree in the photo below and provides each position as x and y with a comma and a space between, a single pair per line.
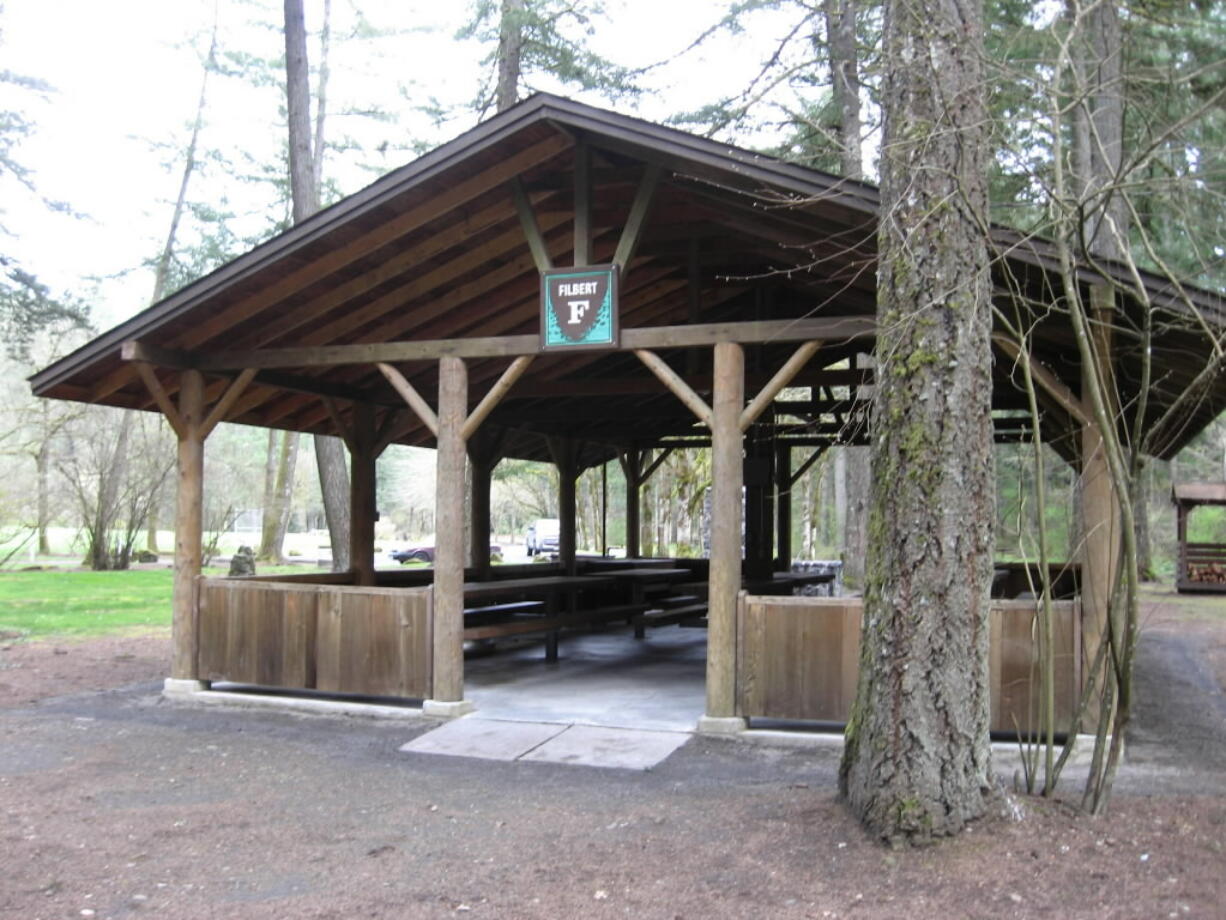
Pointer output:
533, 41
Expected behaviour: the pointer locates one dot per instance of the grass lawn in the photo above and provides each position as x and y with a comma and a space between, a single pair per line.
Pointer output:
83, 603
63, 603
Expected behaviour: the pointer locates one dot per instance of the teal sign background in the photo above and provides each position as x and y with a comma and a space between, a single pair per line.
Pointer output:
579, 308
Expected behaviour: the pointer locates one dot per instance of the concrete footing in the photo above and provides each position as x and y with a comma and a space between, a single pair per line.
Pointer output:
177, 687
717, 725
189, 692
447, 709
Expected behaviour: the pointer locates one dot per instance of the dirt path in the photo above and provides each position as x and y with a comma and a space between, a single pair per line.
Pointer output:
33, 671
117, 804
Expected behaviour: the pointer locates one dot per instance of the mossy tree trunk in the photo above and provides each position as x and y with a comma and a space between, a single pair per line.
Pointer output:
917, 763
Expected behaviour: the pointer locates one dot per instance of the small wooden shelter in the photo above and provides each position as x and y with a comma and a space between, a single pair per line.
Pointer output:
1202, 566
739, 275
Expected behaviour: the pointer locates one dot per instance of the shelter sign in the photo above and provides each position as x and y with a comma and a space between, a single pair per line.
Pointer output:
579, 308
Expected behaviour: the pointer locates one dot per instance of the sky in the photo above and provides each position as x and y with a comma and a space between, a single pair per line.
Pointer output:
126, 75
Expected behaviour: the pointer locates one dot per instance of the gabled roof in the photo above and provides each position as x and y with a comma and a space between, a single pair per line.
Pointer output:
436, 250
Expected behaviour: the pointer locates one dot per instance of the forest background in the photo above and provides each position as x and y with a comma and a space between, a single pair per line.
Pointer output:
144, 145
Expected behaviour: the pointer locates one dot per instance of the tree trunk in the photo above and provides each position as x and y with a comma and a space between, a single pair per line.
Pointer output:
647, 517
151, 525
268, 542
276, 511
851, 473
916, 764
321, 103
334, 484
106, 512
304, 187
162, 274
845, 79
510, 51
303, 190
42, 462
1140, 503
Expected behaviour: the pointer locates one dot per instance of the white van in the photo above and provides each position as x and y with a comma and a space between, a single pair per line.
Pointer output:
542, 536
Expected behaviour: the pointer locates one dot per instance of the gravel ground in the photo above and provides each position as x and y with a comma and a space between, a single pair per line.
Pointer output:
115, 803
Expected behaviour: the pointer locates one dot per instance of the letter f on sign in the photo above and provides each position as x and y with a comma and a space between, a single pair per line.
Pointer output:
577, 309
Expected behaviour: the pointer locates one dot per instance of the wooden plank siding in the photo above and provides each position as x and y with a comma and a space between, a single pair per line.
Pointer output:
798, 659
374, 641
338, 639
1013, 669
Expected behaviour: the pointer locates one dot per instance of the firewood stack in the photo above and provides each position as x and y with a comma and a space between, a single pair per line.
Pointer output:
1212, 573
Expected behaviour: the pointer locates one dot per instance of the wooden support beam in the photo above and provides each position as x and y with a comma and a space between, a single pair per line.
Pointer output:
420, 407
783, 506
387, 432
725, 572
808, 462
494, 396
583, 206
339, 427
189, 528
566, 453
636, 220
655, 464
1050, 383
648, 337
1100, 539
449, 533
149, 353
781, 379
158, 392
679, 387
484, 452
363, 509
759, 485
375, 353
532, 230
632, 469
631, 385
222, 407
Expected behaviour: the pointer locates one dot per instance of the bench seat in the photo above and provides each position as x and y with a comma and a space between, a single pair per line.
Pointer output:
684, 616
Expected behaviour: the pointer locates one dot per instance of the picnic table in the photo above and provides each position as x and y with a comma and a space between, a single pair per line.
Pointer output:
542, 604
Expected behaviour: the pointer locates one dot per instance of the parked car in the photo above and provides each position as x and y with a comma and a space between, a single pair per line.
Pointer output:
424, 552
542, 536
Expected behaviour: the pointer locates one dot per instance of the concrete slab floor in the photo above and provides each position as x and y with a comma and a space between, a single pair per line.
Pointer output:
484, 738
605, 679
619, 748
574, 745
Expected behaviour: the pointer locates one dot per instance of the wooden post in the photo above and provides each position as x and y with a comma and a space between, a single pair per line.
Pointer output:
566, 458
449, 539
783, 509
1100, 547
725, 577
632, 465
484, 454
1181, 539
604, 508
189, 525
362, 504
759, 511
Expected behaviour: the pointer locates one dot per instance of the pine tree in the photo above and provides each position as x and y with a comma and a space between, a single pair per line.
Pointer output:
916, 764
535, 40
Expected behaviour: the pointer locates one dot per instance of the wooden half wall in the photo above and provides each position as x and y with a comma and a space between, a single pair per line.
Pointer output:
798, 659
332, 638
